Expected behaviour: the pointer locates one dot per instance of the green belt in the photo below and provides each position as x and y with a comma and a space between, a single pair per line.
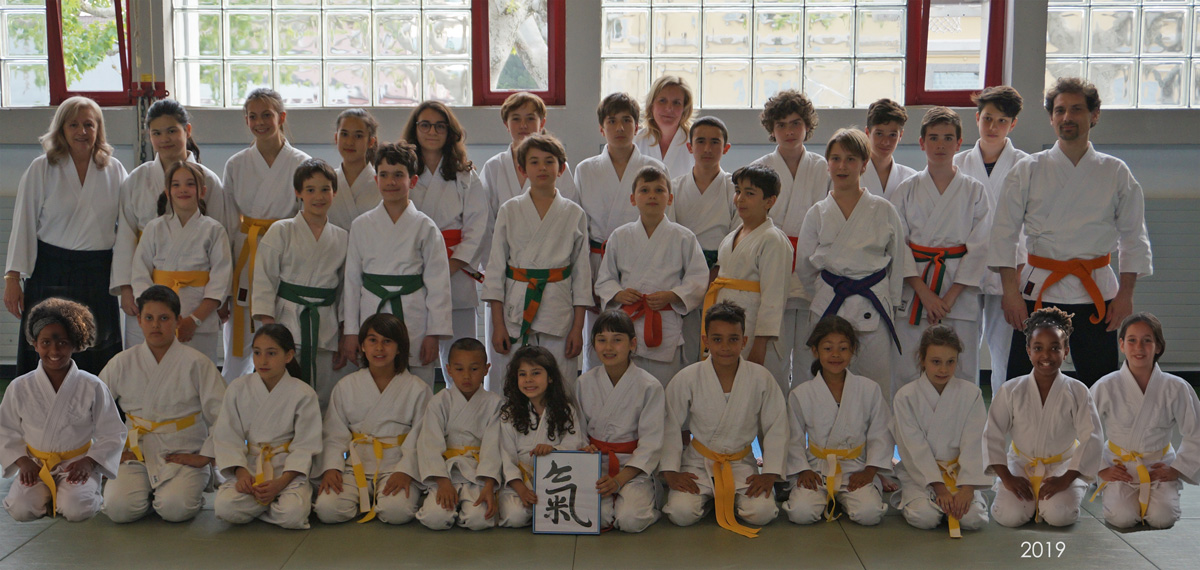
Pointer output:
377, 285
311, 298
537, 279
710, 256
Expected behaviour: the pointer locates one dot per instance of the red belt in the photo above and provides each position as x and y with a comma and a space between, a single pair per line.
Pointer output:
597, 247
453, 238
934, 272
652, 327
1081, 268
793, 240
612, 449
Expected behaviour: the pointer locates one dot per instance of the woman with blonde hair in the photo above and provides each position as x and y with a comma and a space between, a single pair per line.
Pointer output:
64, 228
668, 119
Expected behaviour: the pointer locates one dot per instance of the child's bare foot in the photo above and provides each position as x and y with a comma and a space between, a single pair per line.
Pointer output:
889, 486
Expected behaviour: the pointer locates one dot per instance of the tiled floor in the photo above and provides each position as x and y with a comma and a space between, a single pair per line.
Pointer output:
209, 543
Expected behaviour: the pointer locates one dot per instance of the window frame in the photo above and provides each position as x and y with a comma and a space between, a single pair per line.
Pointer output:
56, 69
916, 58
481, 92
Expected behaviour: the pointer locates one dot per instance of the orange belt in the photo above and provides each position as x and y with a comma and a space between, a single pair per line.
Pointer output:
793, 240
724, 487
1081, 268
652, 327
254, 228
537, 280
612, 449
934, 272
597, 247
453, 238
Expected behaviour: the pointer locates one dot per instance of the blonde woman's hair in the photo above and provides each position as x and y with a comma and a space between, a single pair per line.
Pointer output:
54, 142
685, 120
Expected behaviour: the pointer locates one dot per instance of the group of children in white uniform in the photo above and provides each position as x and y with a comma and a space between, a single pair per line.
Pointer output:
812, 287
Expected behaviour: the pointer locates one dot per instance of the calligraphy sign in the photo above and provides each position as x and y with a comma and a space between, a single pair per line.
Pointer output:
567, 500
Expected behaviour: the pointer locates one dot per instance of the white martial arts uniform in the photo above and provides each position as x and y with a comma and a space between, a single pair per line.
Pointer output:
934, 433
797, 195
678, 160
668, 260
997, 333
290, 253
855, 430
201, 245
284, 422
632, 410
710, 215
869, 241
353, 200
763, 256
458, 205
139, 205
183, 393
34, 416
899, 173
605, 198
468, 431
260, 192
54, 207
517, 460
358, 416
1142, 423
1065, 428
725, 423
412, 245
524, 240
942, 220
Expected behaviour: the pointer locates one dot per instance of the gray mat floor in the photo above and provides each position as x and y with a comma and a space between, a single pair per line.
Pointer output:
209, 543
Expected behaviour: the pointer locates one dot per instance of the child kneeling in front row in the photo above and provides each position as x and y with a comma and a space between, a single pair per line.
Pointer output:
938, 426
839, 439
726, 401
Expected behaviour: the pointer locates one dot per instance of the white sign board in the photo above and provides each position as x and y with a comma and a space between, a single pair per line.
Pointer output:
567, 500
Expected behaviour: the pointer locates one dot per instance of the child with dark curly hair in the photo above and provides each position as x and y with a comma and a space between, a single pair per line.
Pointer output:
60, 431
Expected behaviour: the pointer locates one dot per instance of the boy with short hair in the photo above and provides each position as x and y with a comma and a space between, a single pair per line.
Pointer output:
396, 263
655, 271
885, 128
944, 213
715, 398
603, 182
790, 118
458, 448
538, 282
989, 162
704, 204
755, 273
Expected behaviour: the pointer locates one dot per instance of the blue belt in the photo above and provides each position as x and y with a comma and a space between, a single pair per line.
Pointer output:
845, 287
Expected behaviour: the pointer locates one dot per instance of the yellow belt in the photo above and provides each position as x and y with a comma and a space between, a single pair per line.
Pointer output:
949, 471
254, 228
360, 476
266, 451
143, 426
723, 487
177, 280
832, 470
710, 297
49, 462
526, 475
1134, 457
1038, 465
469, 450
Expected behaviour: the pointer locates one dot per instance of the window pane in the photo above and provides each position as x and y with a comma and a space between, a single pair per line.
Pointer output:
398, 34
1163, 83
26, 83
875, 79
626, 32
1196, 83
91, 54
249, 33
299, 83
725, 84
447, 34
829, 32
347, 34
1113, 32
448, 82
881, 33
771, 77
397, 3
1165, 31
677, 32
199, 83
688, 69
777, 32
829, 83
727, 33
519, 44
1059, 68
398, 83
197, 34
630, 76
26, 33
1115, 80
957, 45
245, 76
293, 34
348, 84
1065, 31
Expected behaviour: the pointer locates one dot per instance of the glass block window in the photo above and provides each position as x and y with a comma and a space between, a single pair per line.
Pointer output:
316, 53
737, 53
1138, 53
24, 71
